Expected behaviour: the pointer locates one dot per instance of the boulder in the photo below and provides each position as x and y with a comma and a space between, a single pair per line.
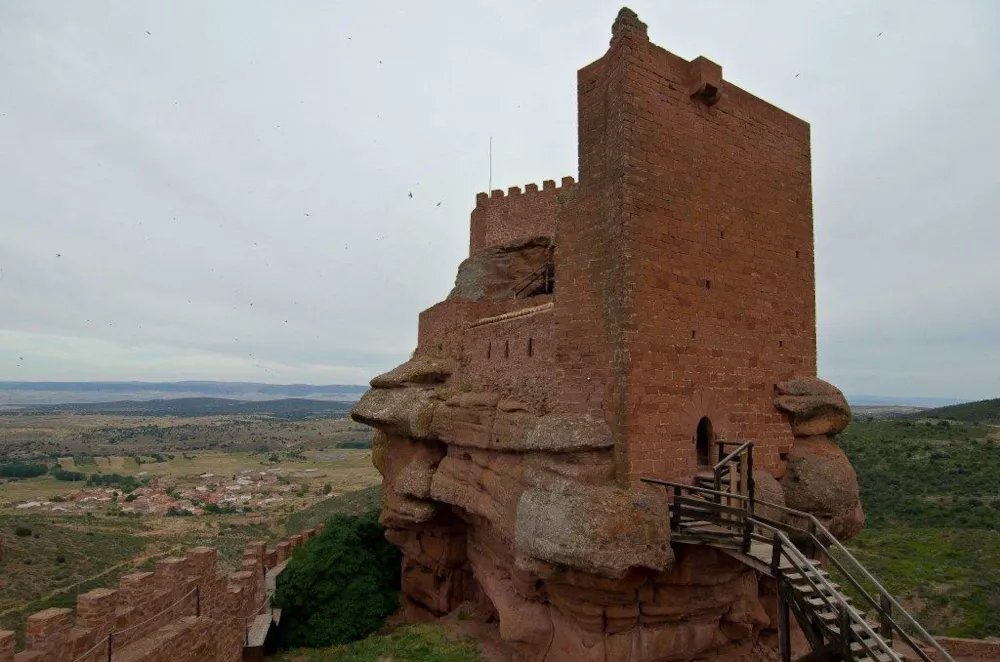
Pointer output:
767, 488
820, 480
497, 271
407, 412
813, 406
602, 530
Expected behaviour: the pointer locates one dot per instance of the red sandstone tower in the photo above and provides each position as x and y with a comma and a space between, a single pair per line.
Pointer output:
607, 330
681, 267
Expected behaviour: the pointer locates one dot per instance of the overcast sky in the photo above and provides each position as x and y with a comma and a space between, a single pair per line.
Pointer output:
219, 190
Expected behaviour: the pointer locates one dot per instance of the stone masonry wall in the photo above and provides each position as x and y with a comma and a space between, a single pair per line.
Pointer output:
499, 219
718, 200
184, 611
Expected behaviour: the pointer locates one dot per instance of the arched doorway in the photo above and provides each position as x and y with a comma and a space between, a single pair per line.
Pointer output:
703, 441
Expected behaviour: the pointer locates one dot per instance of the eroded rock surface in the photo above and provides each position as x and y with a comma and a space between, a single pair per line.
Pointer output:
820, 480
813, 406
518, 516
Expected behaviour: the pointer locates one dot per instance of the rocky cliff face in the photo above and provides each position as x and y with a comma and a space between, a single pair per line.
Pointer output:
517, 515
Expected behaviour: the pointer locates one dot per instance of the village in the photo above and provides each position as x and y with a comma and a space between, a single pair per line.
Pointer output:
195, 484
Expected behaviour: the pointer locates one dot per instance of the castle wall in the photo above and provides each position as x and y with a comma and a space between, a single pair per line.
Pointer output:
184, 611
685, 258
499, 219
719, 207
593, 285
513, 354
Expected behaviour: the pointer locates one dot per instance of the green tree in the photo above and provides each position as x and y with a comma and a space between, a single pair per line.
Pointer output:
341, 586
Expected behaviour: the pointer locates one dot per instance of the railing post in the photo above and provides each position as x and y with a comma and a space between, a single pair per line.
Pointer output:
109, 646
885, 615
776, 557
845, 634
675, 513
747, 530
750, 480
197, 600
784, 632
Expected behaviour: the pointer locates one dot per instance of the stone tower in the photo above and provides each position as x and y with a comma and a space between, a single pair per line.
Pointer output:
606, 330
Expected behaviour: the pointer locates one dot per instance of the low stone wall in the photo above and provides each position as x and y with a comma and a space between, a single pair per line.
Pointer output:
184, 611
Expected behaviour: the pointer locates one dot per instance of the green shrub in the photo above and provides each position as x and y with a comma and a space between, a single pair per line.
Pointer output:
22, 470
60, 558
22, 531
60, 474
341, 586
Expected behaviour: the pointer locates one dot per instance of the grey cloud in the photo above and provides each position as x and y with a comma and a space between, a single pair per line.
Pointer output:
252, 152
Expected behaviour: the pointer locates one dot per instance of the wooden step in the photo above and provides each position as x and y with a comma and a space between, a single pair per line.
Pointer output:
817, 602
861, 654
806, 590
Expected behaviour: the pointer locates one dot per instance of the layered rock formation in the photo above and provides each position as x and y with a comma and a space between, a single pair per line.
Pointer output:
518, 513
819, 478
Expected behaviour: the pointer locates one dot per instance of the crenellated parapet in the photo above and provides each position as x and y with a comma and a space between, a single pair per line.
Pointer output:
517, 215
187, 609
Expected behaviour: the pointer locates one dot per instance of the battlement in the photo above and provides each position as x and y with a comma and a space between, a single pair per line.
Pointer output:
501, 218
185, 610
483, 198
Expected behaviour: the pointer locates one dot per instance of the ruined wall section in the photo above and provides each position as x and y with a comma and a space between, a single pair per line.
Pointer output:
500, 219
718, 207
184, 611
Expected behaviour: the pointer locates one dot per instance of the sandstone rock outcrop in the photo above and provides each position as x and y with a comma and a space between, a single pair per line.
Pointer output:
519, 514
820, 480
813, 406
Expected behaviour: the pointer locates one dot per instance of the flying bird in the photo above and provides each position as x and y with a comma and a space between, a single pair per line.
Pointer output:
147, 32
796, 75
410, 194
304, 214
438, 204
58, 254
878, 35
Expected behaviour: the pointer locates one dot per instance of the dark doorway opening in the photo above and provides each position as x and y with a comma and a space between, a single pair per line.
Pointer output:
703, 441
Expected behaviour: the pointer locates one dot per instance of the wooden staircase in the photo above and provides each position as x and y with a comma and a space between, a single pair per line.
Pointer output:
718, 509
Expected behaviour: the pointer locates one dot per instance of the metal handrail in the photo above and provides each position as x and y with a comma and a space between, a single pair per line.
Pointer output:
833, 542
808, 572
867, 575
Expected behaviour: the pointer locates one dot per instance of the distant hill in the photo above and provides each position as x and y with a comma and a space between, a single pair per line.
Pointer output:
982, 411
38, 393
859, 400
287, 408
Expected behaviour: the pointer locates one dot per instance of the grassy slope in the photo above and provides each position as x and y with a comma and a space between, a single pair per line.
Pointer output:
982, 411
932, 498
414, 643
352, 503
